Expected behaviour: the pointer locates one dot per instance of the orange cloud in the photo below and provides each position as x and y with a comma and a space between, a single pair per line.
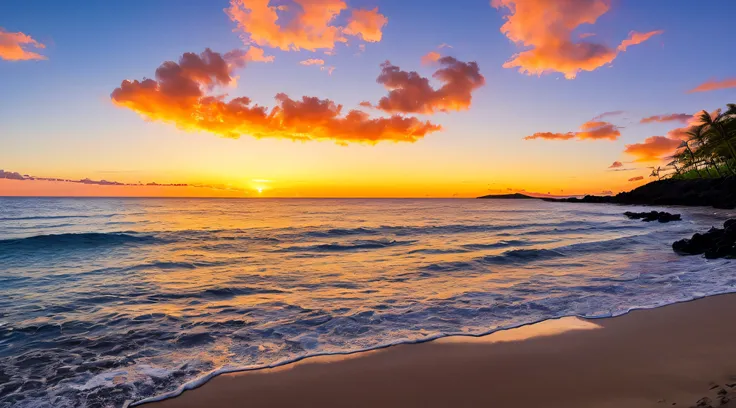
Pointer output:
657, 148
596, 130
616, 165
309, 23
366, 24
637, 178
591, 130
652, 149
551, 136
546, 28
313, 61
637, 38
431, 57
256, 54
410, 92
673, 117
181, 95
13, 47
714, 85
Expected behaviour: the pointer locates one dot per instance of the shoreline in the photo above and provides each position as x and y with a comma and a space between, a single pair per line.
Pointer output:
319, 376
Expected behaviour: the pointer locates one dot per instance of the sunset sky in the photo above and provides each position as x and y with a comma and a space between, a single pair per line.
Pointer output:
353, 98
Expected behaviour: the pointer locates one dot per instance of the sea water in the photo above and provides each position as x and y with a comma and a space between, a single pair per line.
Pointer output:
108, 302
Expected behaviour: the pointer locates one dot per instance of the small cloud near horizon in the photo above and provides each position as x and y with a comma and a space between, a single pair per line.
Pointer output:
637, 178
672, 117
616, 165
591, 130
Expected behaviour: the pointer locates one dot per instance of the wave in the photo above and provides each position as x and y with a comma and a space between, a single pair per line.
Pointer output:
213, 293
206, 377
500, 244
521, 256
410, 230
356, 245
52, 217
72, 240
341, 232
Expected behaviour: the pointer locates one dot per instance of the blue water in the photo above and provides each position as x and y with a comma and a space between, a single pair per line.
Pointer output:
105, 302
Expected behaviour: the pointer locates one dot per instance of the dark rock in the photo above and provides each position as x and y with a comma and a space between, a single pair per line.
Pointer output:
716, 243
703, 402
660, 216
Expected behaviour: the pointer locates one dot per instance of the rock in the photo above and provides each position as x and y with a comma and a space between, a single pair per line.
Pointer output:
729, 223
703, 402
660, 216
716, 243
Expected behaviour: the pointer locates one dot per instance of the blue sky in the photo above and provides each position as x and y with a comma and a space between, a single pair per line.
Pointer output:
56, 116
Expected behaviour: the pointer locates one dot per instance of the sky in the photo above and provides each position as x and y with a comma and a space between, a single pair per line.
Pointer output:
352, 98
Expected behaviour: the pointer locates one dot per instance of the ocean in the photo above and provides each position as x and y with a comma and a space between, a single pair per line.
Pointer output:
110, 302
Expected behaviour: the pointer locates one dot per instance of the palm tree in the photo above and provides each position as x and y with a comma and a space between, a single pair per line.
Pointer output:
673, 164
693, 161
717, 125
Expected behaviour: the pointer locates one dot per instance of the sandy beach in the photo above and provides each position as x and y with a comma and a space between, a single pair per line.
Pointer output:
677, 355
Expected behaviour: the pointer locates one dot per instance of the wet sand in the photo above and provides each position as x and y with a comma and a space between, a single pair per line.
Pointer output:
671, 356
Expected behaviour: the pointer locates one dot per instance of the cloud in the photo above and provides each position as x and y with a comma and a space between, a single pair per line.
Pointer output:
713, 85
410, 92
673, 117
366, 24
182, 94
431, 57
637, 38
329, 70
256, 54
444, 45
313, 61
545, 29
14, 46
652, 149
586, 35
591, 130
658, 148
637, 178
597, 130
551, 136
616, 165
307, 24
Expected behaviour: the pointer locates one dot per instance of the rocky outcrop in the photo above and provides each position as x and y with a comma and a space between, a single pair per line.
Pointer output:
716, 243
650, 216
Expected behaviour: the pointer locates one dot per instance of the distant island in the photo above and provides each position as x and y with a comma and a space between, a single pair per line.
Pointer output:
515, 196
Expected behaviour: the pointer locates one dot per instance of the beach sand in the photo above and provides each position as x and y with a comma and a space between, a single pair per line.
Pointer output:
671, 356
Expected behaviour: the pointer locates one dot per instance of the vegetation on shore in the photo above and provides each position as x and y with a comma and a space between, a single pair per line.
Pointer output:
709, 150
